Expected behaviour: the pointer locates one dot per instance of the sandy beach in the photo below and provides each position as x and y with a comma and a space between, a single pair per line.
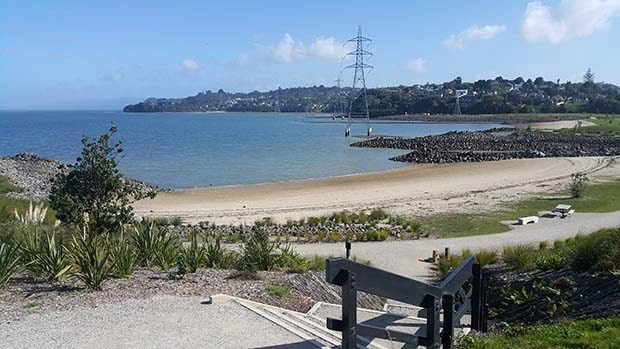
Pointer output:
420, 190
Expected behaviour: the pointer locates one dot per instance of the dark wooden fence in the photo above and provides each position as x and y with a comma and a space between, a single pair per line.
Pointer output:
460, 293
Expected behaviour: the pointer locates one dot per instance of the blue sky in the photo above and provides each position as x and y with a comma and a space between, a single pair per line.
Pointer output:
91, 54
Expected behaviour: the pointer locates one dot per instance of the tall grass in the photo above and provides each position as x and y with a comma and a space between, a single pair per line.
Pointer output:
90, 257
9, 261
520, 257
195, 256
123, 256
43, 255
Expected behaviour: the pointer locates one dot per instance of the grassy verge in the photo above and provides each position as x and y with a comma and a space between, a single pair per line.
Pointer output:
603, 333
598, 198
605, 126
9, 205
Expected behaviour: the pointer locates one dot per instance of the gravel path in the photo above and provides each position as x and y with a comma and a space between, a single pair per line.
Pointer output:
158, 322
405, 257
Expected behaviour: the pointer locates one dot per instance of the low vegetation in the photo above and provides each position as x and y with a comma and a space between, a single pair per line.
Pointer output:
595, 198
598, 252
598, 333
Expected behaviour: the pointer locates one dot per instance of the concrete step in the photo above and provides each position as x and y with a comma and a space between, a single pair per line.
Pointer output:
390, 321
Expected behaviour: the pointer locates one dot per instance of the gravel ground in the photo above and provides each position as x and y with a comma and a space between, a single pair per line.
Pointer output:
156, 322
24, 297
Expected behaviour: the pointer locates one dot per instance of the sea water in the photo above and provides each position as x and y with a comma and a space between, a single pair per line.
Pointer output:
184, 150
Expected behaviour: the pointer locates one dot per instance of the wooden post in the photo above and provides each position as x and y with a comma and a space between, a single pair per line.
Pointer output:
447, 338
484, 307
433, 324
476, 298
349, 312
447, 252
347, 246
435, 256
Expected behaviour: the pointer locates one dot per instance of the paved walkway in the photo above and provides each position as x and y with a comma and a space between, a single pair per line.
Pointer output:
404, 257
158, 322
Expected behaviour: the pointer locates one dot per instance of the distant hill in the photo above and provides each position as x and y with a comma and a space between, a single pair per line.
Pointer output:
497, 96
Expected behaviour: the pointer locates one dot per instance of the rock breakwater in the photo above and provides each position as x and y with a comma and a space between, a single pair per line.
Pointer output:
455, 147
34, 175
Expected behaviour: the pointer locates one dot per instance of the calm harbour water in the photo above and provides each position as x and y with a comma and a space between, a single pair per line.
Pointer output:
198, 150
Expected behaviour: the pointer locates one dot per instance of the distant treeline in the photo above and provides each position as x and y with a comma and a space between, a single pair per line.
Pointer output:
497, 96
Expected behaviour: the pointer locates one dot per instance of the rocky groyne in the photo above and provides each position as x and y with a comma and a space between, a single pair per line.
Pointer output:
34, 175
455, 147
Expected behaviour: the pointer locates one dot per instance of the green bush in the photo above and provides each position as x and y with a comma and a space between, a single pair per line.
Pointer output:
168, 250
195, 256
214, 253
382, 235
520, 257
94, 192
543, 245
486, 257
335, 236
176, 221
258, 253
553, 260
578, 184
43, 255
123, 256
316, 262
291, 261
90, 258
378, 214
9, 261
447, 264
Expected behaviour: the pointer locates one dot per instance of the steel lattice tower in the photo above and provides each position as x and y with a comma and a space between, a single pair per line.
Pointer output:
359, 79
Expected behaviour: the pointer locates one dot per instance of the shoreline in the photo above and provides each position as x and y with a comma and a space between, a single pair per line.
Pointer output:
414, 191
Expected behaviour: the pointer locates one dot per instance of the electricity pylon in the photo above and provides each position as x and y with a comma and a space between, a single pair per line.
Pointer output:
359, 79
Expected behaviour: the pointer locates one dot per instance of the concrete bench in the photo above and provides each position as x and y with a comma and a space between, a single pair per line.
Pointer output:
528, 220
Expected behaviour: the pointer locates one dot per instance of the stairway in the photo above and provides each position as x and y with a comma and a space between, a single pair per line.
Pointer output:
311, 326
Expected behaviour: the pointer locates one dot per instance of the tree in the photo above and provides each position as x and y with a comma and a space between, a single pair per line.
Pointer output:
539, 81
95, 192
588, 76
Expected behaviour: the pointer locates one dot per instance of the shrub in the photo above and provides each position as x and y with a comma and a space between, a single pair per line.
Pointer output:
382, 235
43, 255
558, 244
543, 245
176, 221
553, 260
214, 253
291, 261
578, 184
520, 257
195, 256
90, 258
316, 263
414, 227
447, 264
145, 238
378, 214
335, 236
167, 252
371, 235
486, 257
9, 261
258, 252
95, 192
123, 256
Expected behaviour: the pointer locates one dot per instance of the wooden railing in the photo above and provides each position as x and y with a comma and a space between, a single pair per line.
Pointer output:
461, 292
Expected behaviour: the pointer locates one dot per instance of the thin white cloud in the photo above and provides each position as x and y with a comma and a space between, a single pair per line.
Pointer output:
328, 48
289, 50
486, 32
571, 19
190, 64
418, 65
